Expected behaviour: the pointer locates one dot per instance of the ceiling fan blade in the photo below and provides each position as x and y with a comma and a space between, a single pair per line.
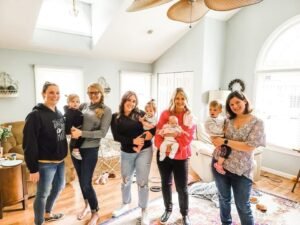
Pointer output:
187, 11
224, 5
145, 4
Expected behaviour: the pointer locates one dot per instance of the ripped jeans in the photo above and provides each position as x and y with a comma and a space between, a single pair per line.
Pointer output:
141, 163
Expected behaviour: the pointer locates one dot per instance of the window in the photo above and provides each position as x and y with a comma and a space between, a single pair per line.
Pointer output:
68, 80
138, 82
167, 82
63, 16
278, 89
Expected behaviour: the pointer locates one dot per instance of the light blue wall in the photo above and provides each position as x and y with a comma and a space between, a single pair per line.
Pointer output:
201, 51
19, 64
246, 34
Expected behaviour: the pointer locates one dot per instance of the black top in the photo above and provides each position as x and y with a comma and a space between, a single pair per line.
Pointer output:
126, 128
73, 118
44, 137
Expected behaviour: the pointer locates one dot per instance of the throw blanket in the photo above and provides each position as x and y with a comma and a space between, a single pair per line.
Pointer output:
207, 191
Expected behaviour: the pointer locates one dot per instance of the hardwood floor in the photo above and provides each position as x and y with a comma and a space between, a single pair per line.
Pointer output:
109, 196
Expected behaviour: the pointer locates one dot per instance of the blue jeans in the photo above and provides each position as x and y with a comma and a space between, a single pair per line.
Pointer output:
141, 162
85, 170
52, 181
241, 187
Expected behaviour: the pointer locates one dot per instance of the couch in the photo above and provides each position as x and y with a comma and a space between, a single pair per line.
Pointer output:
201, 158
13, 144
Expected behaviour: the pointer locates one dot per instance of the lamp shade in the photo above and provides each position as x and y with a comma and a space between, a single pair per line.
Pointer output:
219, 95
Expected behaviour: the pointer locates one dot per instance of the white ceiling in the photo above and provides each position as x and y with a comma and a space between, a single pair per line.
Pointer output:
121, 36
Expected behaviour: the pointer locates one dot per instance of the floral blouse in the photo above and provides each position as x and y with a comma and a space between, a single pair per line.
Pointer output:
241, 162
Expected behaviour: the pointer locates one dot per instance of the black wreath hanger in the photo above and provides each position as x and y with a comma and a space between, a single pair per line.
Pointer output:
236, 85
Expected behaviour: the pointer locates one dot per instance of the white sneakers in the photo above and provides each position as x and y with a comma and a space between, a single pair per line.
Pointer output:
144, 219
121, 210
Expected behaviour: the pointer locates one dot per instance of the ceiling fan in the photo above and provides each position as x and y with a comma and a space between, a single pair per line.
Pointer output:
189, 11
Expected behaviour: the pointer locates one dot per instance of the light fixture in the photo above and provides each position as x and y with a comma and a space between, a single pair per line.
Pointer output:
74, 10
219, 95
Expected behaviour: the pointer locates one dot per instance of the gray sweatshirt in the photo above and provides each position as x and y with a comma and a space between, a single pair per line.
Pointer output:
94, 128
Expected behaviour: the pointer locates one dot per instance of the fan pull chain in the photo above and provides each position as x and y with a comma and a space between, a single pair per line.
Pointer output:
191, 14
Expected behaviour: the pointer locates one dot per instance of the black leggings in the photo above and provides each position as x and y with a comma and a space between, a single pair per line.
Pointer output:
178, 168
85, 169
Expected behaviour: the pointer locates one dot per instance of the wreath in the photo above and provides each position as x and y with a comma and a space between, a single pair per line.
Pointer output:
234, 82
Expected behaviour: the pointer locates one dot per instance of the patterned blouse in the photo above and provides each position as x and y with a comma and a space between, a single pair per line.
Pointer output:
241, 162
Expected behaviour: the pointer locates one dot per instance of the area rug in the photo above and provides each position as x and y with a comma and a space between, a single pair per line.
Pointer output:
204, 212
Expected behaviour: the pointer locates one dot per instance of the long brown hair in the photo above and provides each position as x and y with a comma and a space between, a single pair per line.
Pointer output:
125, 97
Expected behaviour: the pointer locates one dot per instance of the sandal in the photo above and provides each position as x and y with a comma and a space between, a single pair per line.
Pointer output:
54, 217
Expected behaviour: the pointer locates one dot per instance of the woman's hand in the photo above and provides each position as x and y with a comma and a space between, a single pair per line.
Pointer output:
76, 133
217, 141
148, 135
34, 177
139, 140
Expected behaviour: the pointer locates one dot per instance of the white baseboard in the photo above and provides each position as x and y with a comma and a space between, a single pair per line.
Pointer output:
276, 172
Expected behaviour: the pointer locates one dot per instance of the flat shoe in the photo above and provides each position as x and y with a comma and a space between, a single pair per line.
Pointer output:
54, 217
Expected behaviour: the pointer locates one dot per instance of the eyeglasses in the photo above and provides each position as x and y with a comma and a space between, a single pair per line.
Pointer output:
94, 93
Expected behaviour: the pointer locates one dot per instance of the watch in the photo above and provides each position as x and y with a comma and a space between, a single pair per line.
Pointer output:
225, 141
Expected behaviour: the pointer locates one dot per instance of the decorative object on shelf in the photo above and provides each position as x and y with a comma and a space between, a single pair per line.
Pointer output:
219, 95
189, 11
5, 132
8, 86
236, 85
104, 84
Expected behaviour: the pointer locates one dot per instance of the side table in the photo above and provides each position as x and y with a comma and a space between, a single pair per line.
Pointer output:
13, 188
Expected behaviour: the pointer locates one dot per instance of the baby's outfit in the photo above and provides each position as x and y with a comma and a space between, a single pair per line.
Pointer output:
215, 128
168, 129
150, 119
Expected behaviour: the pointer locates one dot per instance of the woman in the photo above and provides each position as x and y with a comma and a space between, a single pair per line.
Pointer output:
96, 121
244, 132
45, 147
127, 130
178, 166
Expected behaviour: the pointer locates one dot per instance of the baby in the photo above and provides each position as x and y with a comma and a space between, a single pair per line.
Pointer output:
148, 120
168, 130
74, 118
214, 126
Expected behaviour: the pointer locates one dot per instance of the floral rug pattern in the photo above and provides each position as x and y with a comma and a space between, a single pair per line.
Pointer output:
280, 211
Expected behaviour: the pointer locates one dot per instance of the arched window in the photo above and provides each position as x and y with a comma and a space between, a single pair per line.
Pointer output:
278, 85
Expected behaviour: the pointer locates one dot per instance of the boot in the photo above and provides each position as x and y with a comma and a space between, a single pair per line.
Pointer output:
165, 217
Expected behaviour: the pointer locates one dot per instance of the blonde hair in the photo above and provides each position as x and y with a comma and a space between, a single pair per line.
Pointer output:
71, 97
215, 104
177, 91
151, 104
100, 110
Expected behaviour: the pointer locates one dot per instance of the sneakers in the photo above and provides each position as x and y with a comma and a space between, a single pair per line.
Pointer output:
165, 217
121, 210
186, 220
54, 217
76, 154
145, 220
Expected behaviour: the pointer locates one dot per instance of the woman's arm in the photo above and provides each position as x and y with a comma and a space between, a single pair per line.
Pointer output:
236, 145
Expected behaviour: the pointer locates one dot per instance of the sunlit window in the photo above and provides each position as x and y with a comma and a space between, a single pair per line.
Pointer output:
138, 82
278, 90
168, 82
69, 81
66, 16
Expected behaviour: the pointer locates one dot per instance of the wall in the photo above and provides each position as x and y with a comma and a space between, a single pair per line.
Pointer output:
19, 64
201, 51
246, 34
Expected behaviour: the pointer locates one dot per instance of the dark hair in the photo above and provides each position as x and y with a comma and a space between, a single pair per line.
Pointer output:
125, 97
241, 96
46, 85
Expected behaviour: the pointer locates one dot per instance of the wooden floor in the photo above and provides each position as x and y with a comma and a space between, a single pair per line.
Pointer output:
109, 196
